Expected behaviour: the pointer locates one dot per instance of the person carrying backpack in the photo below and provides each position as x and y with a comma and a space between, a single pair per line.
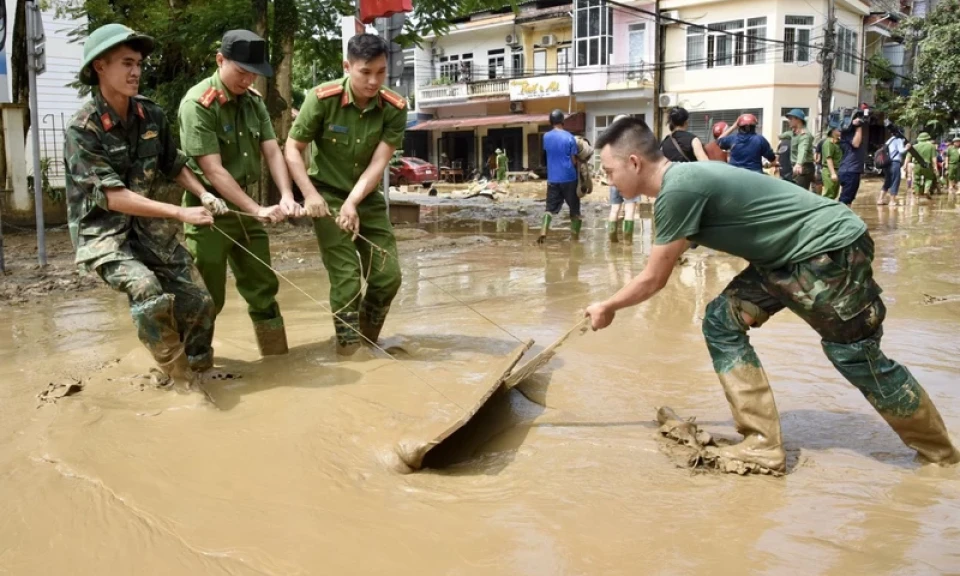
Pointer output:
895, 148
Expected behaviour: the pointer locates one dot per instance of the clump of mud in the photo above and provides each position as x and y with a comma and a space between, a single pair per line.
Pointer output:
37, 282
690, 447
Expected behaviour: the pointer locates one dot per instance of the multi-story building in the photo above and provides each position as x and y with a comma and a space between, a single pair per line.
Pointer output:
758, 56
491, 82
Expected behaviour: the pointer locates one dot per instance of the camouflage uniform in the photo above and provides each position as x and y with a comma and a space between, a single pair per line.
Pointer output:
138, 256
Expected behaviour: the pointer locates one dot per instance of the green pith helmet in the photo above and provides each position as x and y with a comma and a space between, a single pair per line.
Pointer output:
923, 137
106, 37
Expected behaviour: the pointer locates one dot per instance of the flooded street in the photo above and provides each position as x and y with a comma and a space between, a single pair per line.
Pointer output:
564, 476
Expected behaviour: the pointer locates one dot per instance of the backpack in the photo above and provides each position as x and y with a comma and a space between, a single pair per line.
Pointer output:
881, 158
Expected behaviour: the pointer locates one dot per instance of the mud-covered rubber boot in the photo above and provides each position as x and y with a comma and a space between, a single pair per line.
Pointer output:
271, 337
925, 432
612, 232
576, 224
372, 319
628, 231
544, 228
347, 328
755, 414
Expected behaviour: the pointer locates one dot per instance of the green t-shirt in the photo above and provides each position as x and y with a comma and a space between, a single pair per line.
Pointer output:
831, 150
344, 135
953, 156
766, 221
927, 151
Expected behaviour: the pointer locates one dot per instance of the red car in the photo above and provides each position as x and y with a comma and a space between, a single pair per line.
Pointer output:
413, 171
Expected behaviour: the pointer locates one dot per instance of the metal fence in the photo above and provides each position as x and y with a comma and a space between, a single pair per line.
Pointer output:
51, 147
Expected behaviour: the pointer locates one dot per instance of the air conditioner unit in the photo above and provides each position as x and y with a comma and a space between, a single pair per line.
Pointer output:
437, 51
548, 40
667, 17
516, 107
668, 100
512, 40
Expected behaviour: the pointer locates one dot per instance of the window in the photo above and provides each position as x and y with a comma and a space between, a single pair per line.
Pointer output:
785, 124
726, 44
516, 63
637, 43
466, 68
848, 50
539, 62
702, 121
593, 32
450, 67
796, 37
564, 64
496, 64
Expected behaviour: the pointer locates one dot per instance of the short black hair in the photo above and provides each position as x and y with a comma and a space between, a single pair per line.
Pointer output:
678, 117
633, 135
366, 47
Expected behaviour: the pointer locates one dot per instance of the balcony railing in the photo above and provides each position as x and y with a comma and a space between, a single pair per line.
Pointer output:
438, 94
495, 87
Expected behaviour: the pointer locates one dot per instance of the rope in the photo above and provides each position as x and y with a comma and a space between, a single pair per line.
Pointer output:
432, 283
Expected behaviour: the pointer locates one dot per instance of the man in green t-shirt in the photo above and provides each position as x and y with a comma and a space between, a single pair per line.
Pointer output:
801, 148
806, 253
925, 176
953, 164
355, 126
830, 156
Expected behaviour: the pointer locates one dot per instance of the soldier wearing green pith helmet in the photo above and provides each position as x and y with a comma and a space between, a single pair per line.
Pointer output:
116, 148
225, 130
355, 126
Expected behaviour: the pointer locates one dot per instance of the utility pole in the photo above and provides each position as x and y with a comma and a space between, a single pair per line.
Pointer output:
37, 64
828, 56
658, 32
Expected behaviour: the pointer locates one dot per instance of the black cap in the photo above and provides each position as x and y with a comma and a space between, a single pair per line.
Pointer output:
247, 50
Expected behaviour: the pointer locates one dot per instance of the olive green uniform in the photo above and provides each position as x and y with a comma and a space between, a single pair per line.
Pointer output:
344, 138
830, 151
801, 154
214, 121
925, 178
136, 255
953, 164
502, 164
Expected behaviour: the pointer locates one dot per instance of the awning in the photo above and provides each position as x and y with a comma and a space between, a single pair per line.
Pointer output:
475, 121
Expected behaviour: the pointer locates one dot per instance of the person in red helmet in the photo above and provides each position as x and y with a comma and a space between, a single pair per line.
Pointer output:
746, 148
713, 150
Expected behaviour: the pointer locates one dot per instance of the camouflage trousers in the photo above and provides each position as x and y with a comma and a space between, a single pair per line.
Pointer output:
835, 294
347, 259
170, 305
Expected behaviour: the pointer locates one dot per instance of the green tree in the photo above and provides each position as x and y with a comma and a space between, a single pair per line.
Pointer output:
934, 100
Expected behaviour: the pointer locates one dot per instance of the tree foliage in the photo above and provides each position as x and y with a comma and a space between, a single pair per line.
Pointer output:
934, 99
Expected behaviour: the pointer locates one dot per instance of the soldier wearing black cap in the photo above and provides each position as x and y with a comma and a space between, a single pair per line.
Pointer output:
224, 129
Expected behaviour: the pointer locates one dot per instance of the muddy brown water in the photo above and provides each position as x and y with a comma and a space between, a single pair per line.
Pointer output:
560, 477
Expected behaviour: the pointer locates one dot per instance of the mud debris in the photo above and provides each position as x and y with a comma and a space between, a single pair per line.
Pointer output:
57, 390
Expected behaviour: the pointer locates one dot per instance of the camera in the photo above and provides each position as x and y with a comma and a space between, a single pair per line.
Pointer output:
843, 118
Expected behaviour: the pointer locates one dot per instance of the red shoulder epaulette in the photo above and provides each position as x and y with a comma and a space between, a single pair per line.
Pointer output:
140, 111
106, 121
211, 94
394, 99
329, 91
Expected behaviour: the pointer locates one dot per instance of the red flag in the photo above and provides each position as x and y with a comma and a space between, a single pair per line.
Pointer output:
373, 9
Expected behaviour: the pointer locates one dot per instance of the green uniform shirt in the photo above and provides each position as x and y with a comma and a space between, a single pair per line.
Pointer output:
831, 150
953, 156
101, 151
344, 135
928, 151
763, 220
214, 121
801, 147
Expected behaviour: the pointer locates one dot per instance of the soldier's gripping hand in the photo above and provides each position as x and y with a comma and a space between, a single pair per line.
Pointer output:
315, 207
196, 215
271, 214
290, 207
348, 220
215, 205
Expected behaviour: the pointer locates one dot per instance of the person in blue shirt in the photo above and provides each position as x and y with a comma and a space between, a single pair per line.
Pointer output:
747, 149
560, 148
851, 166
